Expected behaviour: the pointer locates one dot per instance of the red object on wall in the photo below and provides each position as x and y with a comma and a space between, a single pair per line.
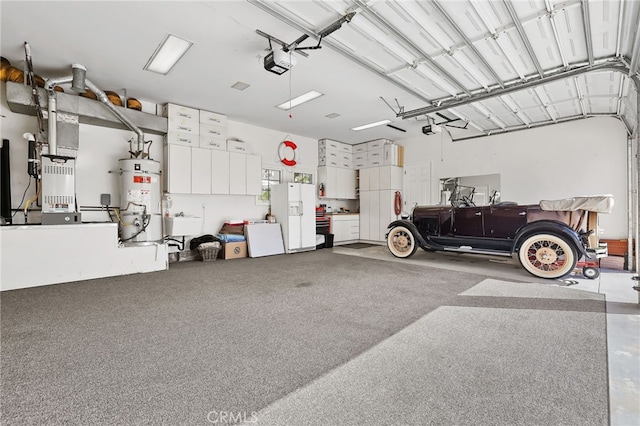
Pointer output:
283, 157
397, 203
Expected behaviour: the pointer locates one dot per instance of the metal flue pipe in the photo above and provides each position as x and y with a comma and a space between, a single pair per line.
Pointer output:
79, 82
102, 97
52, 109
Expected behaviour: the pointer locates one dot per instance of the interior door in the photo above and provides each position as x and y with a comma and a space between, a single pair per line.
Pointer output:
417, 185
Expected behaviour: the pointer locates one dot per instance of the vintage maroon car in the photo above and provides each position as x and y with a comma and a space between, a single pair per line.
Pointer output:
549, 238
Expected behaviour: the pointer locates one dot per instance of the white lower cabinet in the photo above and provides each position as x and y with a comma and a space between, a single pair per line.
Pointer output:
345, 227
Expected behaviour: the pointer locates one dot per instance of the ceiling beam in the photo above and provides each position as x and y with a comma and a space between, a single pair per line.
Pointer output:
495, 36
520, 128
443, 104
580, 96
468, 43
523, 36
586, 23
635, 51
551, 13
399, 36
619, 32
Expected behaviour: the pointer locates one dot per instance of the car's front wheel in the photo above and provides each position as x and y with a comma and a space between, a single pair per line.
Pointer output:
547, 256
401, 242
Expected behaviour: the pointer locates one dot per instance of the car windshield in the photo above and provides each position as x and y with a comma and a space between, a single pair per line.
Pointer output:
462, 196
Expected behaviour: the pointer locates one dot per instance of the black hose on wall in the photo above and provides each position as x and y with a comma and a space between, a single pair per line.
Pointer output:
5, 182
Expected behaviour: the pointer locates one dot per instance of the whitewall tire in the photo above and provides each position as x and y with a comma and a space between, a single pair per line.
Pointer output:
401, 242
547, 256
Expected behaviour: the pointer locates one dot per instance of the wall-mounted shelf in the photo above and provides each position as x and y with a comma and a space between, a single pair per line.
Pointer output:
88, 110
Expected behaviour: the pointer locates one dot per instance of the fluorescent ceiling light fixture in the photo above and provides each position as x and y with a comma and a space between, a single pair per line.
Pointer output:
370, 125
168, 53
292, 103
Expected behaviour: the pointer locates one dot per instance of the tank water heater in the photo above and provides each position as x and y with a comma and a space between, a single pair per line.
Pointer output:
140, 199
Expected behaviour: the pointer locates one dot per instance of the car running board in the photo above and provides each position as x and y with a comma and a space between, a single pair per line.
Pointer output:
469, 249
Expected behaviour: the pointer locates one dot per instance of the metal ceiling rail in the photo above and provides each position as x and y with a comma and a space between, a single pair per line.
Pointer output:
440, 105
495, 36
468, 43
551, 13
635, 52
586, 23
342, 51
527, 127
580, 97
371, 13
619, 32
523, 36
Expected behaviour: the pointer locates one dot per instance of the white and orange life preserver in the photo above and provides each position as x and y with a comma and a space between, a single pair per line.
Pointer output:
287, 153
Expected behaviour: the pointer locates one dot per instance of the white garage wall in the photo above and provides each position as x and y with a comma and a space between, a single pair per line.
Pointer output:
583, 157
578, 158
264, 142
101, 147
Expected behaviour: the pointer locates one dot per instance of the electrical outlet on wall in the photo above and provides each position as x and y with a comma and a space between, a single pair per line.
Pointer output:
105, 199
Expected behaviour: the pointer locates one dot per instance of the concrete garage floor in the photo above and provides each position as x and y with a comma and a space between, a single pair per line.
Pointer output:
331, 337
622, 309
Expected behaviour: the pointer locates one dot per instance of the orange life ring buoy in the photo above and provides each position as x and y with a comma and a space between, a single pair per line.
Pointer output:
284, 158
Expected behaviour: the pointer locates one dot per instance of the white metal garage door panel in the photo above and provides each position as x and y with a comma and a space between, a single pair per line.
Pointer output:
491, 51
603, 18
540, 34
571, 34
420, 83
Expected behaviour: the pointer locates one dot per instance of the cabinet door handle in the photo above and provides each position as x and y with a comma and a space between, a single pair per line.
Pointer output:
522, 213
479, 214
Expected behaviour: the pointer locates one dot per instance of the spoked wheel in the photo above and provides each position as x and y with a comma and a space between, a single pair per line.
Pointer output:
547, 256
401, 242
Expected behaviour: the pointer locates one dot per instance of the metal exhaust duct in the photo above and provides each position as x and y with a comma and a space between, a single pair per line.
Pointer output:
79, 76
102, 97
79, 83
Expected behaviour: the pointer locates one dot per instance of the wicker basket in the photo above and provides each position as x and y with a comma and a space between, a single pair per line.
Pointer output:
209, 251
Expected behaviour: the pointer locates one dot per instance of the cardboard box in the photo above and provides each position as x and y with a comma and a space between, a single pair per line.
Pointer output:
234, 250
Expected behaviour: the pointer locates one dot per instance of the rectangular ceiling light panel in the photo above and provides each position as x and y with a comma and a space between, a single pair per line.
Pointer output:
167, 54
292, 103
370, 125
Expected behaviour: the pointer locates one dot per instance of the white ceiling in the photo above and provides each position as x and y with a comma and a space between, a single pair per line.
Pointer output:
436, 57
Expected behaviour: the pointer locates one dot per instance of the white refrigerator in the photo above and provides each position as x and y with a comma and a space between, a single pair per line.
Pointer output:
293, 205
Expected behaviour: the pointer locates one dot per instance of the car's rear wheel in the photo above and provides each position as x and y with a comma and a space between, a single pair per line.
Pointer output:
547, 256
401, 242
